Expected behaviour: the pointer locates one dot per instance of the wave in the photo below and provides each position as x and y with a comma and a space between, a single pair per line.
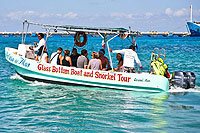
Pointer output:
179, 89
36, 83
31, 83
16, 76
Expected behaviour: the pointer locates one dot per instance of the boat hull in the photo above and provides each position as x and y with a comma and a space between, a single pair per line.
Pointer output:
194, 28
33, 70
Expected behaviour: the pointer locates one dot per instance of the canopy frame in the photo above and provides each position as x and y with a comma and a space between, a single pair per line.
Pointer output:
102, 32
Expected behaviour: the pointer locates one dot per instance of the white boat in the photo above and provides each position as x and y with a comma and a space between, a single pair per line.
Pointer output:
32, 70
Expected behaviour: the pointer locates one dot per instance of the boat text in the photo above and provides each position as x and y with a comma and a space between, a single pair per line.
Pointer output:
103, 75
20, 61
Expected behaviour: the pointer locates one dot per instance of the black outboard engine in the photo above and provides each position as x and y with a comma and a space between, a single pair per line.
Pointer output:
184, 80
191, 79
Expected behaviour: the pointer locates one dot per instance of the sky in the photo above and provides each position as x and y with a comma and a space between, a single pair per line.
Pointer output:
140, 15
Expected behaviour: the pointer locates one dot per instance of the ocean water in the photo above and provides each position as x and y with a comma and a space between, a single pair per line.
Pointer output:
40, 107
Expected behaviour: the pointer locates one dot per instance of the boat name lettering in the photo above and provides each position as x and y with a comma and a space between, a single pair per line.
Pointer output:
44, 68
142, 80
139, 80
123, 78
76, 72
88, 74
108, 76
10, 58
60, 70
22, 62
147, 80
53, 69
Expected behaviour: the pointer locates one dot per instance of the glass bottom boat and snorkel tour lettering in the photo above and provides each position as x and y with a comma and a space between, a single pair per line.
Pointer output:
84, 73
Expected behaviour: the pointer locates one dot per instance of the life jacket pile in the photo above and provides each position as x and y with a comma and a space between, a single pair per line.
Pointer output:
158, 67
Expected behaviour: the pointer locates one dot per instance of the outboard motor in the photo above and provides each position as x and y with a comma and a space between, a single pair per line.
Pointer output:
180, 79
184, 80
191, 79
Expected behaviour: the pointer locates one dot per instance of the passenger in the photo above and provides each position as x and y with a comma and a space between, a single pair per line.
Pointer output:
95, 63
82, 60
39, 46
45, 58
56, 57
120, 63
104, 60
167, 73
66, 59
130, 57
74, 56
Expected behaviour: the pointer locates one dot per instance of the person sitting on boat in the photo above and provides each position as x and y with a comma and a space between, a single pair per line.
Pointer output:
104, 60
56, 57
158, 67
82, 60
66, 59
39, 46
167, 73
74, 56
130, 57
95, 62
119, 67
44, 58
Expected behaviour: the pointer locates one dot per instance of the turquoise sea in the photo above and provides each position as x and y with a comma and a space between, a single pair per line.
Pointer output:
40, 107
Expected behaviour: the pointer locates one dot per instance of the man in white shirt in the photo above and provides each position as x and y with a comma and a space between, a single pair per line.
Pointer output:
40, 46
56, 57
130, 57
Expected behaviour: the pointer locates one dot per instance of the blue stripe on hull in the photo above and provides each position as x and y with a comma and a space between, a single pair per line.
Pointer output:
194, 29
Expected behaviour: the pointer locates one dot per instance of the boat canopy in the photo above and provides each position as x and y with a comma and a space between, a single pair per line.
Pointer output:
102, 32
71, 28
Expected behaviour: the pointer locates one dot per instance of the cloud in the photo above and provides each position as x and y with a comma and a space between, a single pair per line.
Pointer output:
177, 13
180, 13
130, 16
122, 15
169, 11
19, 15
71, 15
148, 14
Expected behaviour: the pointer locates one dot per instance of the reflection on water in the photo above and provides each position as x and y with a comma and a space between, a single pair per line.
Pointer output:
92, 108
158, 109
46, 107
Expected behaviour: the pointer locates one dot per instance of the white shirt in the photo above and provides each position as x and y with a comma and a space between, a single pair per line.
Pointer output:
43, 59
130, 57
82, 61
41, 43
54, 58
94, 64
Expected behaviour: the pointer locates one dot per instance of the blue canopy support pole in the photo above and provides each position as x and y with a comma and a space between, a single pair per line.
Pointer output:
26, 33
107, 44
47, 34
23, 33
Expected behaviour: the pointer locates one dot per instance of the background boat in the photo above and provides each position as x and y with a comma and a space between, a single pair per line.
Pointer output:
193, 27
